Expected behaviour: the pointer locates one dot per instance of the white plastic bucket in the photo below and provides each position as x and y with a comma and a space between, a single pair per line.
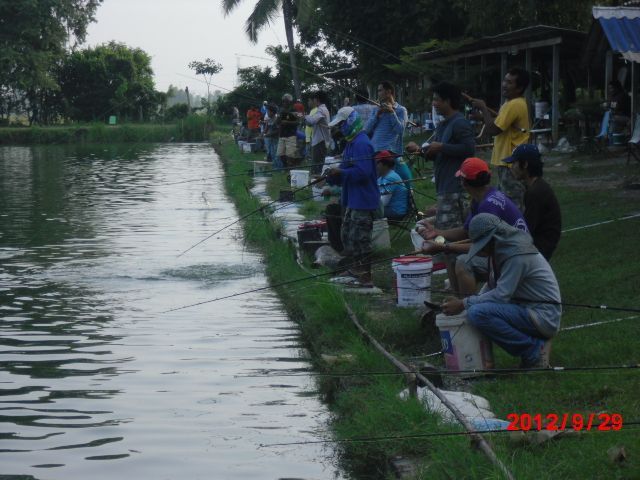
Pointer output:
246, 147
380, 239
299, 178
413, 280
464, 347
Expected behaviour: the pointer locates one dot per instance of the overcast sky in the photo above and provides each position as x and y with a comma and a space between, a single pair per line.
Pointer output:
174, 32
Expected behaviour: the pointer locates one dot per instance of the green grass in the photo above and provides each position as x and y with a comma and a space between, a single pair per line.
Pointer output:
194, 128
599, 265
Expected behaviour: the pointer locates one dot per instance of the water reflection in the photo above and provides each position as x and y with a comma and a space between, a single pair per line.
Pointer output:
92, 373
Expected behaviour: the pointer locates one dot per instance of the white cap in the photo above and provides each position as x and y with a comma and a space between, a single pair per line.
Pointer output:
342, 115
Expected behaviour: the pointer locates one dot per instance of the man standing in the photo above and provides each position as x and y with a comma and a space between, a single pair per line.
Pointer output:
321, 135
510, 128
360, 196
454, 142
541, 208
287, 126
519, 309
386, 127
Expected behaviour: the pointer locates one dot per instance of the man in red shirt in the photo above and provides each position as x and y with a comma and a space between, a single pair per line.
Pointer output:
253, 122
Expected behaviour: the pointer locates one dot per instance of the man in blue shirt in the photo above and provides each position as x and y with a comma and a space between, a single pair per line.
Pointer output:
394, 194
386, 125
360, 196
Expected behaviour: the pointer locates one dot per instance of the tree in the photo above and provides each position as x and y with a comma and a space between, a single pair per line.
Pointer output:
109, 79
35, 35
207, 69
263, 14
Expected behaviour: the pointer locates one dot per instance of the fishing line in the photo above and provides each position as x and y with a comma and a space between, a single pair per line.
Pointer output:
259, 209
287, 282
430, 371
594, 428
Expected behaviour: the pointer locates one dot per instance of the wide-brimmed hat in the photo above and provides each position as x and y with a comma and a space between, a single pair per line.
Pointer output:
481, 230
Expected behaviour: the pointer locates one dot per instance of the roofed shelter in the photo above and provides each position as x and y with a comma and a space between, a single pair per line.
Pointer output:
530, 47
614, 42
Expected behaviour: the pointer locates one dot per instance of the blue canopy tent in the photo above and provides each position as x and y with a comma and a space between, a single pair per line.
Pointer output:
621, 26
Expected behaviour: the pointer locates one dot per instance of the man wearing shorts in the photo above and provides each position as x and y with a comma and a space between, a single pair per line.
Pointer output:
287, 127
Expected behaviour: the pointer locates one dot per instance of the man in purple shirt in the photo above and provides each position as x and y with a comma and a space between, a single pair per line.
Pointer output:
476, 178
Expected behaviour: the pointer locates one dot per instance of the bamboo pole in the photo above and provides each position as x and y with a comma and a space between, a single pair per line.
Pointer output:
480, 441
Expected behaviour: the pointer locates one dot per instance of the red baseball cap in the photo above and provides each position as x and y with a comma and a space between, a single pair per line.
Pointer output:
384, 155
471, 167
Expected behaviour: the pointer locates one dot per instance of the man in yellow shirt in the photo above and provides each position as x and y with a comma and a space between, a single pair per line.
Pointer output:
510, 129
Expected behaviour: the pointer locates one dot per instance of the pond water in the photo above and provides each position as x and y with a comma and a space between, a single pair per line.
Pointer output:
96, 382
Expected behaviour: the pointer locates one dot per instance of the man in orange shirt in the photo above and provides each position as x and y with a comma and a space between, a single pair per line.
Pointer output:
510, 129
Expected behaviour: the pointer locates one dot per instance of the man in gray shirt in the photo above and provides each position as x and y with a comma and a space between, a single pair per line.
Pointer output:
454, 142
321, 136
519, 308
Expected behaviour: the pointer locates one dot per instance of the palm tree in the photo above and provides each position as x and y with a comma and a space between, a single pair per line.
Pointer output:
264, 12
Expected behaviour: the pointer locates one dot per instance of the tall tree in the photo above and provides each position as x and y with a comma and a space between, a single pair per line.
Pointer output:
207, 69
33, 39
264, 12
109, 79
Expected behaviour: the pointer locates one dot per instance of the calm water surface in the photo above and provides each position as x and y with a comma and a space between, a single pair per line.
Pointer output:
94, 381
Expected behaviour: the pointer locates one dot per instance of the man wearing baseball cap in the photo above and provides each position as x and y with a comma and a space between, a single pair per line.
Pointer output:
520, 307
476, 180
541, 207
360, 196
394, 194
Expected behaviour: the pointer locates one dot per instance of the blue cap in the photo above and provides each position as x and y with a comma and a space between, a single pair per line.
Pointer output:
526, 152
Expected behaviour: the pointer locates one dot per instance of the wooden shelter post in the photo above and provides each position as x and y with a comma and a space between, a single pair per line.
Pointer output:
555, 93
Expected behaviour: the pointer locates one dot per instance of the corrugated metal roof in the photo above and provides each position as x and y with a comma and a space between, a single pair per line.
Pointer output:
621, 25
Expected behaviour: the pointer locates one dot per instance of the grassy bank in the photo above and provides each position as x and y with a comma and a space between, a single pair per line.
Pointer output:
194, 128
596, 266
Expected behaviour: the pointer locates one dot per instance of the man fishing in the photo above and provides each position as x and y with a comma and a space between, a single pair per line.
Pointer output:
519, 308
386, 126
510, 129
360, 196
476, 180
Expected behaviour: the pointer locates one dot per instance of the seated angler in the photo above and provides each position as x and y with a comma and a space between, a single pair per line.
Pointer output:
519, 308
476, 180
541, 207
394, 194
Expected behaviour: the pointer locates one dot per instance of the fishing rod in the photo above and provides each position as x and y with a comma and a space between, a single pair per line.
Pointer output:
444, 371
286, 282
599, 427
261, 208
